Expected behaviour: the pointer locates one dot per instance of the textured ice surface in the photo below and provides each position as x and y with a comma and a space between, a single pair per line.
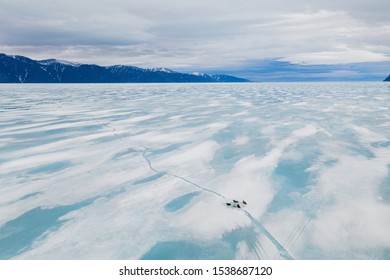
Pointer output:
143, 171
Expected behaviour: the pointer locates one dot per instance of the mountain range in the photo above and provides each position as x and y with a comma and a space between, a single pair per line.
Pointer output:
21, 69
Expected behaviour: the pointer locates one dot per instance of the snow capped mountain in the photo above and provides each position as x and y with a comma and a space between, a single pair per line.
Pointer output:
56, 61
199, 74
19, 69
166, 70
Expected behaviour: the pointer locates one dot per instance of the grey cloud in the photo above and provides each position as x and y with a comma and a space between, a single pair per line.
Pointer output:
179, 34
59, 23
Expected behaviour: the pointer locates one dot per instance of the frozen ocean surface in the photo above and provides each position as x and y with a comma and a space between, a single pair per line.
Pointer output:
143, 171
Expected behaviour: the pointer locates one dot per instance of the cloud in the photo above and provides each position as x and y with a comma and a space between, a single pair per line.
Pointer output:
196, 34
345, 55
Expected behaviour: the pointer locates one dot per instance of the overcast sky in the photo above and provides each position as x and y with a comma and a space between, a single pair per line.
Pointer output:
201, 34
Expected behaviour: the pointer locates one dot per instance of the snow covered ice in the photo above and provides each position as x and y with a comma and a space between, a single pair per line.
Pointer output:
144, 171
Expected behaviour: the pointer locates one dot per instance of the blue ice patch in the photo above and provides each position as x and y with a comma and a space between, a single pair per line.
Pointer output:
50, 167
18, 235
167, 149
150, 178
180, 202
186, 250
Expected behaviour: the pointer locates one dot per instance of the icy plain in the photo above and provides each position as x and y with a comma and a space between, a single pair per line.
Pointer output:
143, 171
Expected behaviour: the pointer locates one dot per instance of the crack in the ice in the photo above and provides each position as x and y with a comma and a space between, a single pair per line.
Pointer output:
144, 155
196, 185
282, 251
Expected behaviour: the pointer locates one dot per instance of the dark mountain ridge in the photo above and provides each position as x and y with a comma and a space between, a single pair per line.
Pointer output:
20, 69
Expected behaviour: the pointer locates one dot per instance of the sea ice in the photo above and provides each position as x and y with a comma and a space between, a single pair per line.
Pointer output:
144, 171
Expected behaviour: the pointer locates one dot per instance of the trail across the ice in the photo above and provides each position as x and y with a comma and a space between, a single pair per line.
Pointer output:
282, 251
303, 223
